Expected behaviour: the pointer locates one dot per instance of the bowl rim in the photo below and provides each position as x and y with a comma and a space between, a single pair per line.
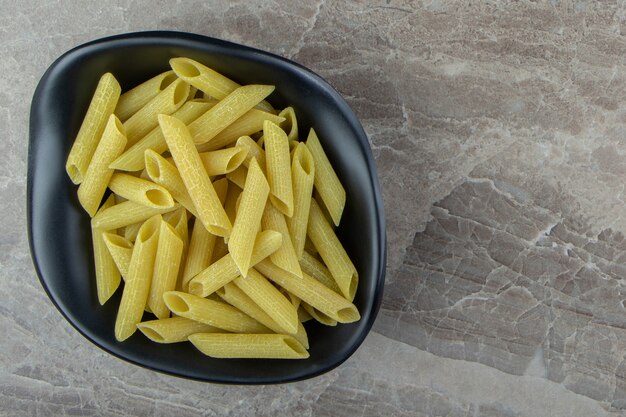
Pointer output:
175, 37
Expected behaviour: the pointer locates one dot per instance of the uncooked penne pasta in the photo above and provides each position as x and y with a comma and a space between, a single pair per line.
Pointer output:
290, 125
246, 125
178, 220
230, 205
133, 100
254, 151
197, 182
311, 292
318, 270
248, 219
302, 173
126, 213
270, 346
326, 181
225, 112
166, 102
303, 315
133, 158
130, 231
174, 329
238, 176
100, 109
224, 270
166, 174
285, 257
140, 191
107, 274
166, 265
332, 252
207, 80
96, 178
272, 301
223, 161
220, 249
121, 250
214, 313
137, 286
319, 316
278, 168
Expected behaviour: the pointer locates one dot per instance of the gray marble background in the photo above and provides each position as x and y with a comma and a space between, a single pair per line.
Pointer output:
499, 130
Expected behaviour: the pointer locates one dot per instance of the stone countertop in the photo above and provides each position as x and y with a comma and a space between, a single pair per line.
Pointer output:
499, 131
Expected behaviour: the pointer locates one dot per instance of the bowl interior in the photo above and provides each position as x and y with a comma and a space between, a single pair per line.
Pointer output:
59, 229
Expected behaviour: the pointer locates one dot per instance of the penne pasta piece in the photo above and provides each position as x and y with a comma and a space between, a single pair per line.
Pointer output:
272, 301
310, 247
269, 346
213, 313
295, 301
197, 182
140, 191
130, 231
220, 249
290, 125
312, 292
226, 111
332, 252
254, 151
285, 257
318, 270
174, 329
168, 256
318, 316
237, 298
207, 80
166, 102
303, 315
223, 161
246, 125
121, 250
302, 174
137, 286
95, 179
166, 174
278, 168
193, 91
224, 270
248, 219
133, 100
107, 274
133, 158
230, 205
238, 176
326, 181
126, 213
98, 114
178, 220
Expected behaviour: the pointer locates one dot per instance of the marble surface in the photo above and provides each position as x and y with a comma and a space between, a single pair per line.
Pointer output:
499, 131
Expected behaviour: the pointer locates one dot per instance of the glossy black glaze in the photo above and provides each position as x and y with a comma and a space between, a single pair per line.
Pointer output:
59, 231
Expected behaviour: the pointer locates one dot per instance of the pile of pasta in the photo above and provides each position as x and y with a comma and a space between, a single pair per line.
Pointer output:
220, 221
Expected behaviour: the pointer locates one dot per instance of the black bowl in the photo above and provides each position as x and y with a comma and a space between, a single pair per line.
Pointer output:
59, 231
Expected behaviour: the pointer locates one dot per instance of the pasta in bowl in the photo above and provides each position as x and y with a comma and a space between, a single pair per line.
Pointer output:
61, 233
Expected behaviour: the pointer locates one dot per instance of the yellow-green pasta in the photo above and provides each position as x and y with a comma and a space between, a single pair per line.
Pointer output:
178, 220
107, 274
140, 191
130, 231
303, 315
100, 109
220, 249
332, 252
137, 286
254, 152
126, 213
278, 168
318, 270
312, 292
133, 158
200, 252
237, 298
133, 100
207, 80
249, 123
96, 178
224, 270
248, 219
318, 316
225, 112
238, 176
327, 183
214, 313
166, 265
269, 346
302, 173
230, 205
272, 301
174, 329
290, 125
223, 161
285, 257
121, 250
197, 182
166, 174
166, 102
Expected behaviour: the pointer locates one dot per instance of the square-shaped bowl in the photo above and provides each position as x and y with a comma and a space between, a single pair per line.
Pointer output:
59, 230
